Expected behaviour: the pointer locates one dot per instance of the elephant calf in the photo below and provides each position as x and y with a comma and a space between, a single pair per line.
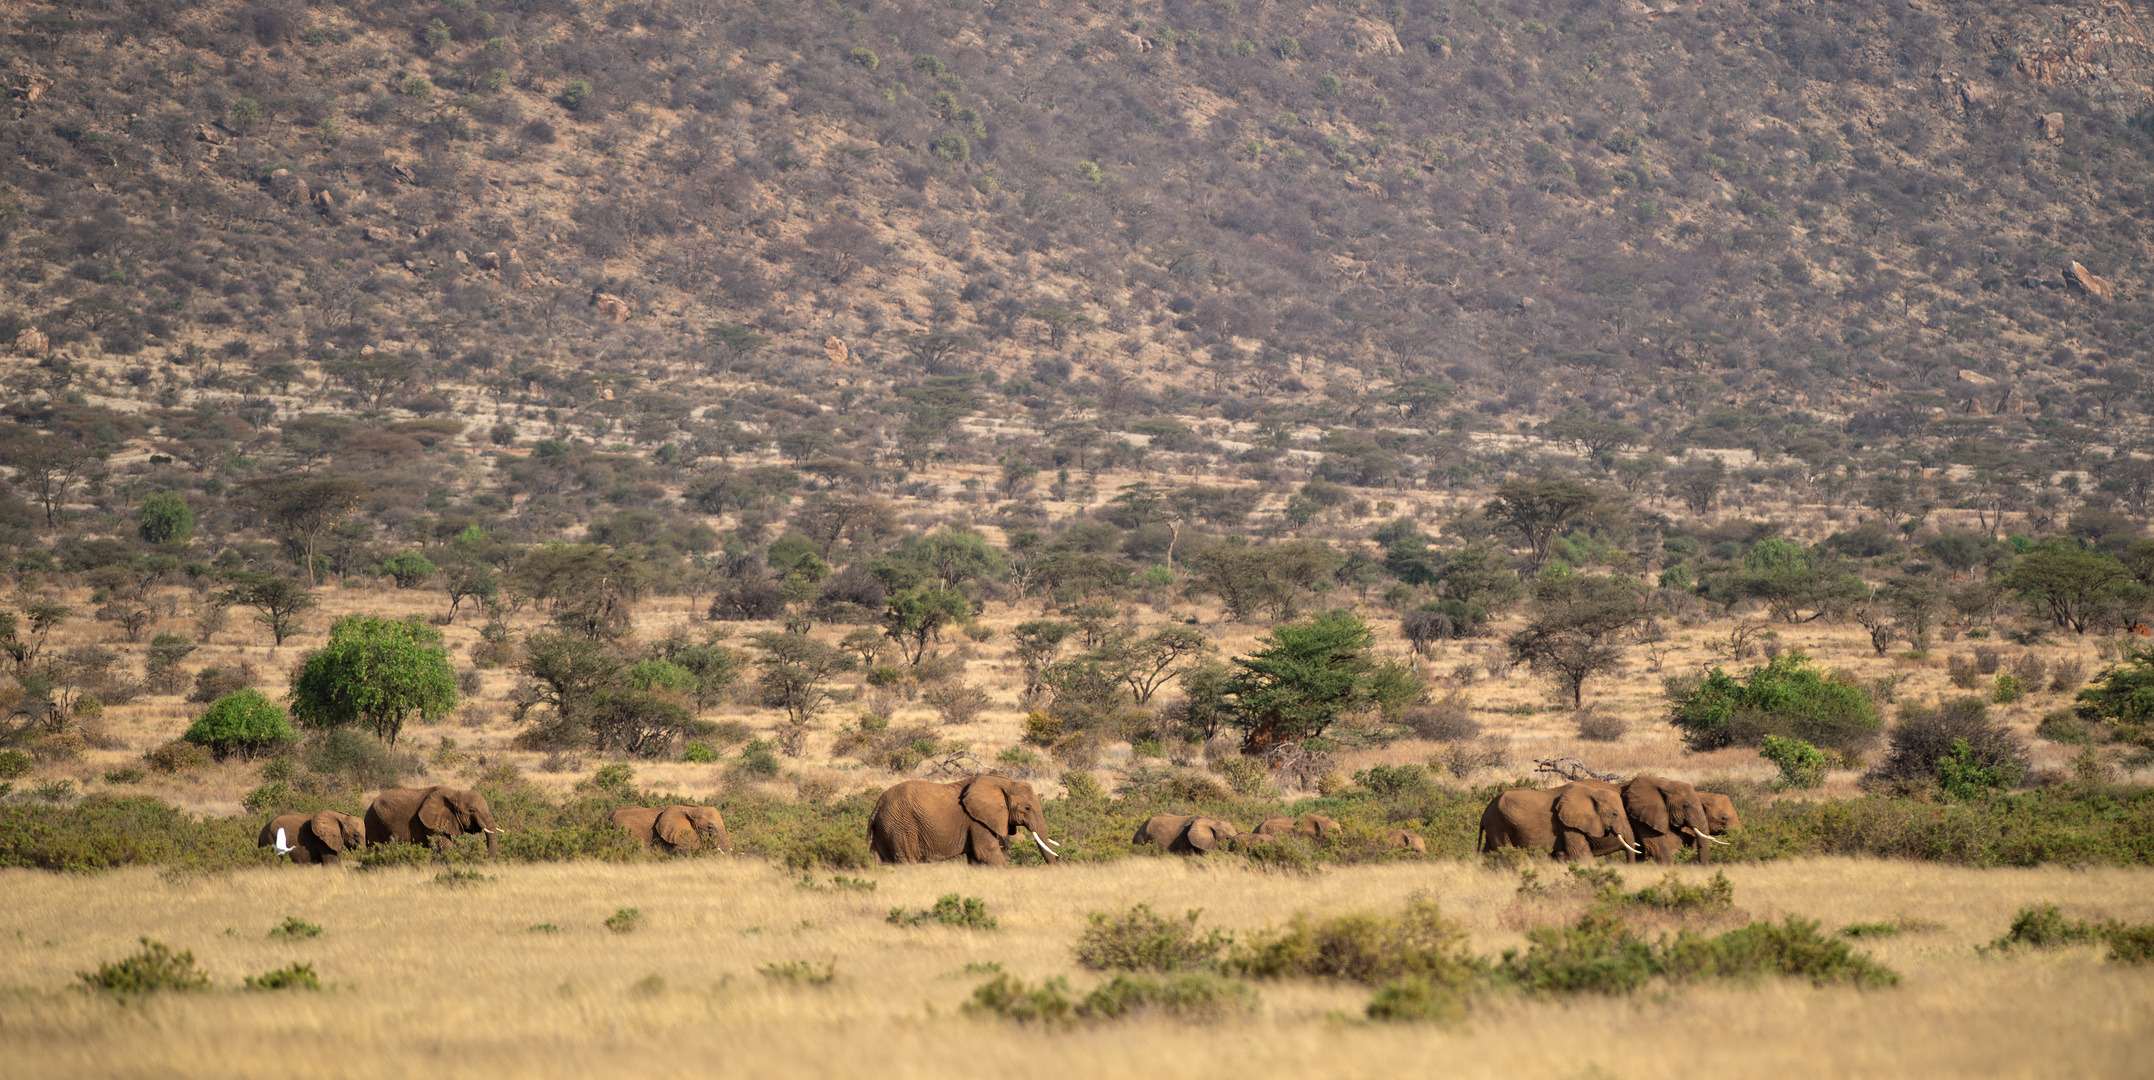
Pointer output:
1307, 826
1184, 834
1406, 841
321, 838
676, 828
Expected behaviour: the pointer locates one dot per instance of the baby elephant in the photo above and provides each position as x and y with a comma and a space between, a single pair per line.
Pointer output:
1406, 841
320, 838
1184, 834
674, 828
1307, 826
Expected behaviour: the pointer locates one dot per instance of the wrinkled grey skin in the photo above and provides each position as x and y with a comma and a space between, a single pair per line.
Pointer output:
1580, 821
432, 815
675, 828
920, 821
315, 839
1184, 834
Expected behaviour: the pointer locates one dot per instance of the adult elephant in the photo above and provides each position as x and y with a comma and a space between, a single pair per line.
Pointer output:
1307, 826
1581, 820
1720, 820
1665, 814
921, 821
433, 815
315, 838
677, 828
1184, 834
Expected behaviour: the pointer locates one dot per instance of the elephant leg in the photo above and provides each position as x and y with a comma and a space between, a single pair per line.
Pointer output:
1704, 849
1662, 848
984, 847
1576, 847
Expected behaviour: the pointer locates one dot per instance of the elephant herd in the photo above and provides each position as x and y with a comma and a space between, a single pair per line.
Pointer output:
922, 821
1651, 817
1187, 834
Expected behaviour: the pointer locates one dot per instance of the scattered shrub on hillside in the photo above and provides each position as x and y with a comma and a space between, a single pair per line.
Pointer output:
1362, 947
801, 972
153, 969
2067, 675
14, 764
178, 756
242, 724
1594, 725
1140, 940
1789, 696
1983, 754
1448, 719
210, 684
624, 920
1183, 997
968, 912
297, 976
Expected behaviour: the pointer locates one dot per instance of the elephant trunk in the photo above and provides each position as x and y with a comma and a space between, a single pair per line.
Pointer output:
493, 847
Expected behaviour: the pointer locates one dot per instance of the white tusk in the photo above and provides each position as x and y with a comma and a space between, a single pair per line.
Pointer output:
1633, 848
1044, 850
1717, 840
1052, 842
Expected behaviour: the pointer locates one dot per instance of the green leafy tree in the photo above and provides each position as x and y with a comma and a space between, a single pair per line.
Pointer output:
1272, 581
731, 343
916, 616
1538, 511
377, 673
1790, 697
408, 569
243, 724
591, 589
796, 670
302, 508
1303, 676
277, 601
163, 518
246, 114
1801, 764
2067, 585
1144, 664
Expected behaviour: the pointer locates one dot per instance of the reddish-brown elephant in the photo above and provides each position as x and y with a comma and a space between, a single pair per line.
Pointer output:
433, 815
1184, 834
675, 828
1667, 814
921, 821
313, 838
1581, 820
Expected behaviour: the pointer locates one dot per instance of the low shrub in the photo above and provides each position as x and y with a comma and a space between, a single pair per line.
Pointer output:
1140, 940
1419, 998
1008, 997
624, 920
1930, 734
1185, 997
178, 756
1789, 696
1448, 719
801, 972
294, 929
1672, 893
295, 977
1362, 947
1801, 764
1389, 781
2045, 927
1793, 948
967, 912
1594, 725
14, 764
153, 969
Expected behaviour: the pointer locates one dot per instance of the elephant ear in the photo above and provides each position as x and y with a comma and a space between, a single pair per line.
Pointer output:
675, 828
1574, 809
1646, 805
1203, 834
434, 812
328, 827
986, 802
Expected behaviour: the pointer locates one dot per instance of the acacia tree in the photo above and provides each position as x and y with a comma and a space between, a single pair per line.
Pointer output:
795, 676
1574, 630
2067, 585
917, 616
1144, 664
48, 467
1539, 510
377, 673
277, 601
303, 508
1305, 675
591, 589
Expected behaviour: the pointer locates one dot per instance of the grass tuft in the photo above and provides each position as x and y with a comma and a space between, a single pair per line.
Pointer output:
153, 969
295, 929
1140, 940
295, 977
624, 920
969, 912
801, 972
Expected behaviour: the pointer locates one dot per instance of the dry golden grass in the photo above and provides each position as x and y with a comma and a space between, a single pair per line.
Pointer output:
427, 976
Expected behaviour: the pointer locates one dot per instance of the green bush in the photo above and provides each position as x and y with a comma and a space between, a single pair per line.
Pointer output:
1362, 947
866, 58
14, 764
1801, 764
1789, 696
294, 928
1139, 940
153, 969
576, 94
1008, 997
1185, 997
801, 971
295, 977
698, 752
2008, 689
1672, 893
242, 724
1390, 781
1419, 998
1793, 948
624, 920
967, 912
1956, 739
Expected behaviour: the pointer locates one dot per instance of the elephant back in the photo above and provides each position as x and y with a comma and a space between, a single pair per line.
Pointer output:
1278, 826
638, 821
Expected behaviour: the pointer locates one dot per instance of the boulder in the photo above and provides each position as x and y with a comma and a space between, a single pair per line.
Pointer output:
380, 235
301, 194
1136, 43
835, 349
2012, 403
2053, 126
2085, 281
463, 258
1976, 378
32, 342
490, 260
324, 200
612, 307
208, 134
1974, 97
1372, 38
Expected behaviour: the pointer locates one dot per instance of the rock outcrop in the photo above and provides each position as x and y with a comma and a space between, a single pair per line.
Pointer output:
612, 307
836, 350
32, 342
2085, 281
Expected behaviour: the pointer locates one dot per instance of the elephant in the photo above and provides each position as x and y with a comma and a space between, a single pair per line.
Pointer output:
677, 828
1720, 819
921, 821
1184, 834
1664, 815
1581, 820
1307, 826
1400, 838
321, 838
430, 814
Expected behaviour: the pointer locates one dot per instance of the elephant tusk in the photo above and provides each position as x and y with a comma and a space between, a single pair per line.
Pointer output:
1717, 840
1044, 849
1050, 841
1633, 848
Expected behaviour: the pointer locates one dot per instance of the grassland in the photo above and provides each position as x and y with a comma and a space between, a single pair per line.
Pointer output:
422, 975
